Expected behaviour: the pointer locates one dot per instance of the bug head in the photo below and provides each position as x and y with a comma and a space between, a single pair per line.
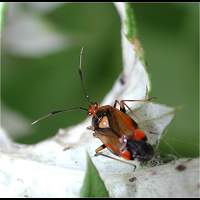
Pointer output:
93, 108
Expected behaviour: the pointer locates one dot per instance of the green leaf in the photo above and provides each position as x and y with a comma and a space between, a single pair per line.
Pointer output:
93, 185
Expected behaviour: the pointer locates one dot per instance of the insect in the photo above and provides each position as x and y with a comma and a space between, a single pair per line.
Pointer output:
114, 127
119, 132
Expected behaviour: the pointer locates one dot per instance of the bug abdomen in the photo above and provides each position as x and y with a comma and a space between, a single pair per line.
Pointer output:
140, 150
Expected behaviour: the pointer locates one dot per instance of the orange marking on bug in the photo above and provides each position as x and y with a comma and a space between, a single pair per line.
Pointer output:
112, 148
125, 154
128, 122
138, 135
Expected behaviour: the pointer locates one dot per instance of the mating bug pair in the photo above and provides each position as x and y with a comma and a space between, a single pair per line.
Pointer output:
114, 127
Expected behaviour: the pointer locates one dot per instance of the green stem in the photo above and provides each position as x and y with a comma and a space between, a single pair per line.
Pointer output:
131, 31
130, 22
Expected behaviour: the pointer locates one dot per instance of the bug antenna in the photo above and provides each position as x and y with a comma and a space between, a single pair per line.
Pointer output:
56, 112
82, 77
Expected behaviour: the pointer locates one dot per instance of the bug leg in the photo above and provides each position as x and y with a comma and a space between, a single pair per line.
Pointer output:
107, 156
122, 102
123, 140
122, 107
146, 99
94, 134
91, 128
100, 148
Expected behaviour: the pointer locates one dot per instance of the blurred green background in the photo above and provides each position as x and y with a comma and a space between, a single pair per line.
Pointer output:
39, 72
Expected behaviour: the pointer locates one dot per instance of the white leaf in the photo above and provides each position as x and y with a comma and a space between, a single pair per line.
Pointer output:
14, 123
153, 119
28, 35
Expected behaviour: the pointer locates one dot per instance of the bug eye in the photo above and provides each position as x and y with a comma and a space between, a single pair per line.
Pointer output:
96, 105
95, 121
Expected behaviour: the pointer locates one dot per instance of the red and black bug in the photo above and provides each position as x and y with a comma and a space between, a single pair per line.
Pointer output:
119, 132
114, 127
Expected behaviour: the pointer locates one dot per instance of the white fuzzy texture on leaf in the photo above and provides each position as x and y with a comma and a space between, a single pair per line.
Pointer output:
45, 170
153, 119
